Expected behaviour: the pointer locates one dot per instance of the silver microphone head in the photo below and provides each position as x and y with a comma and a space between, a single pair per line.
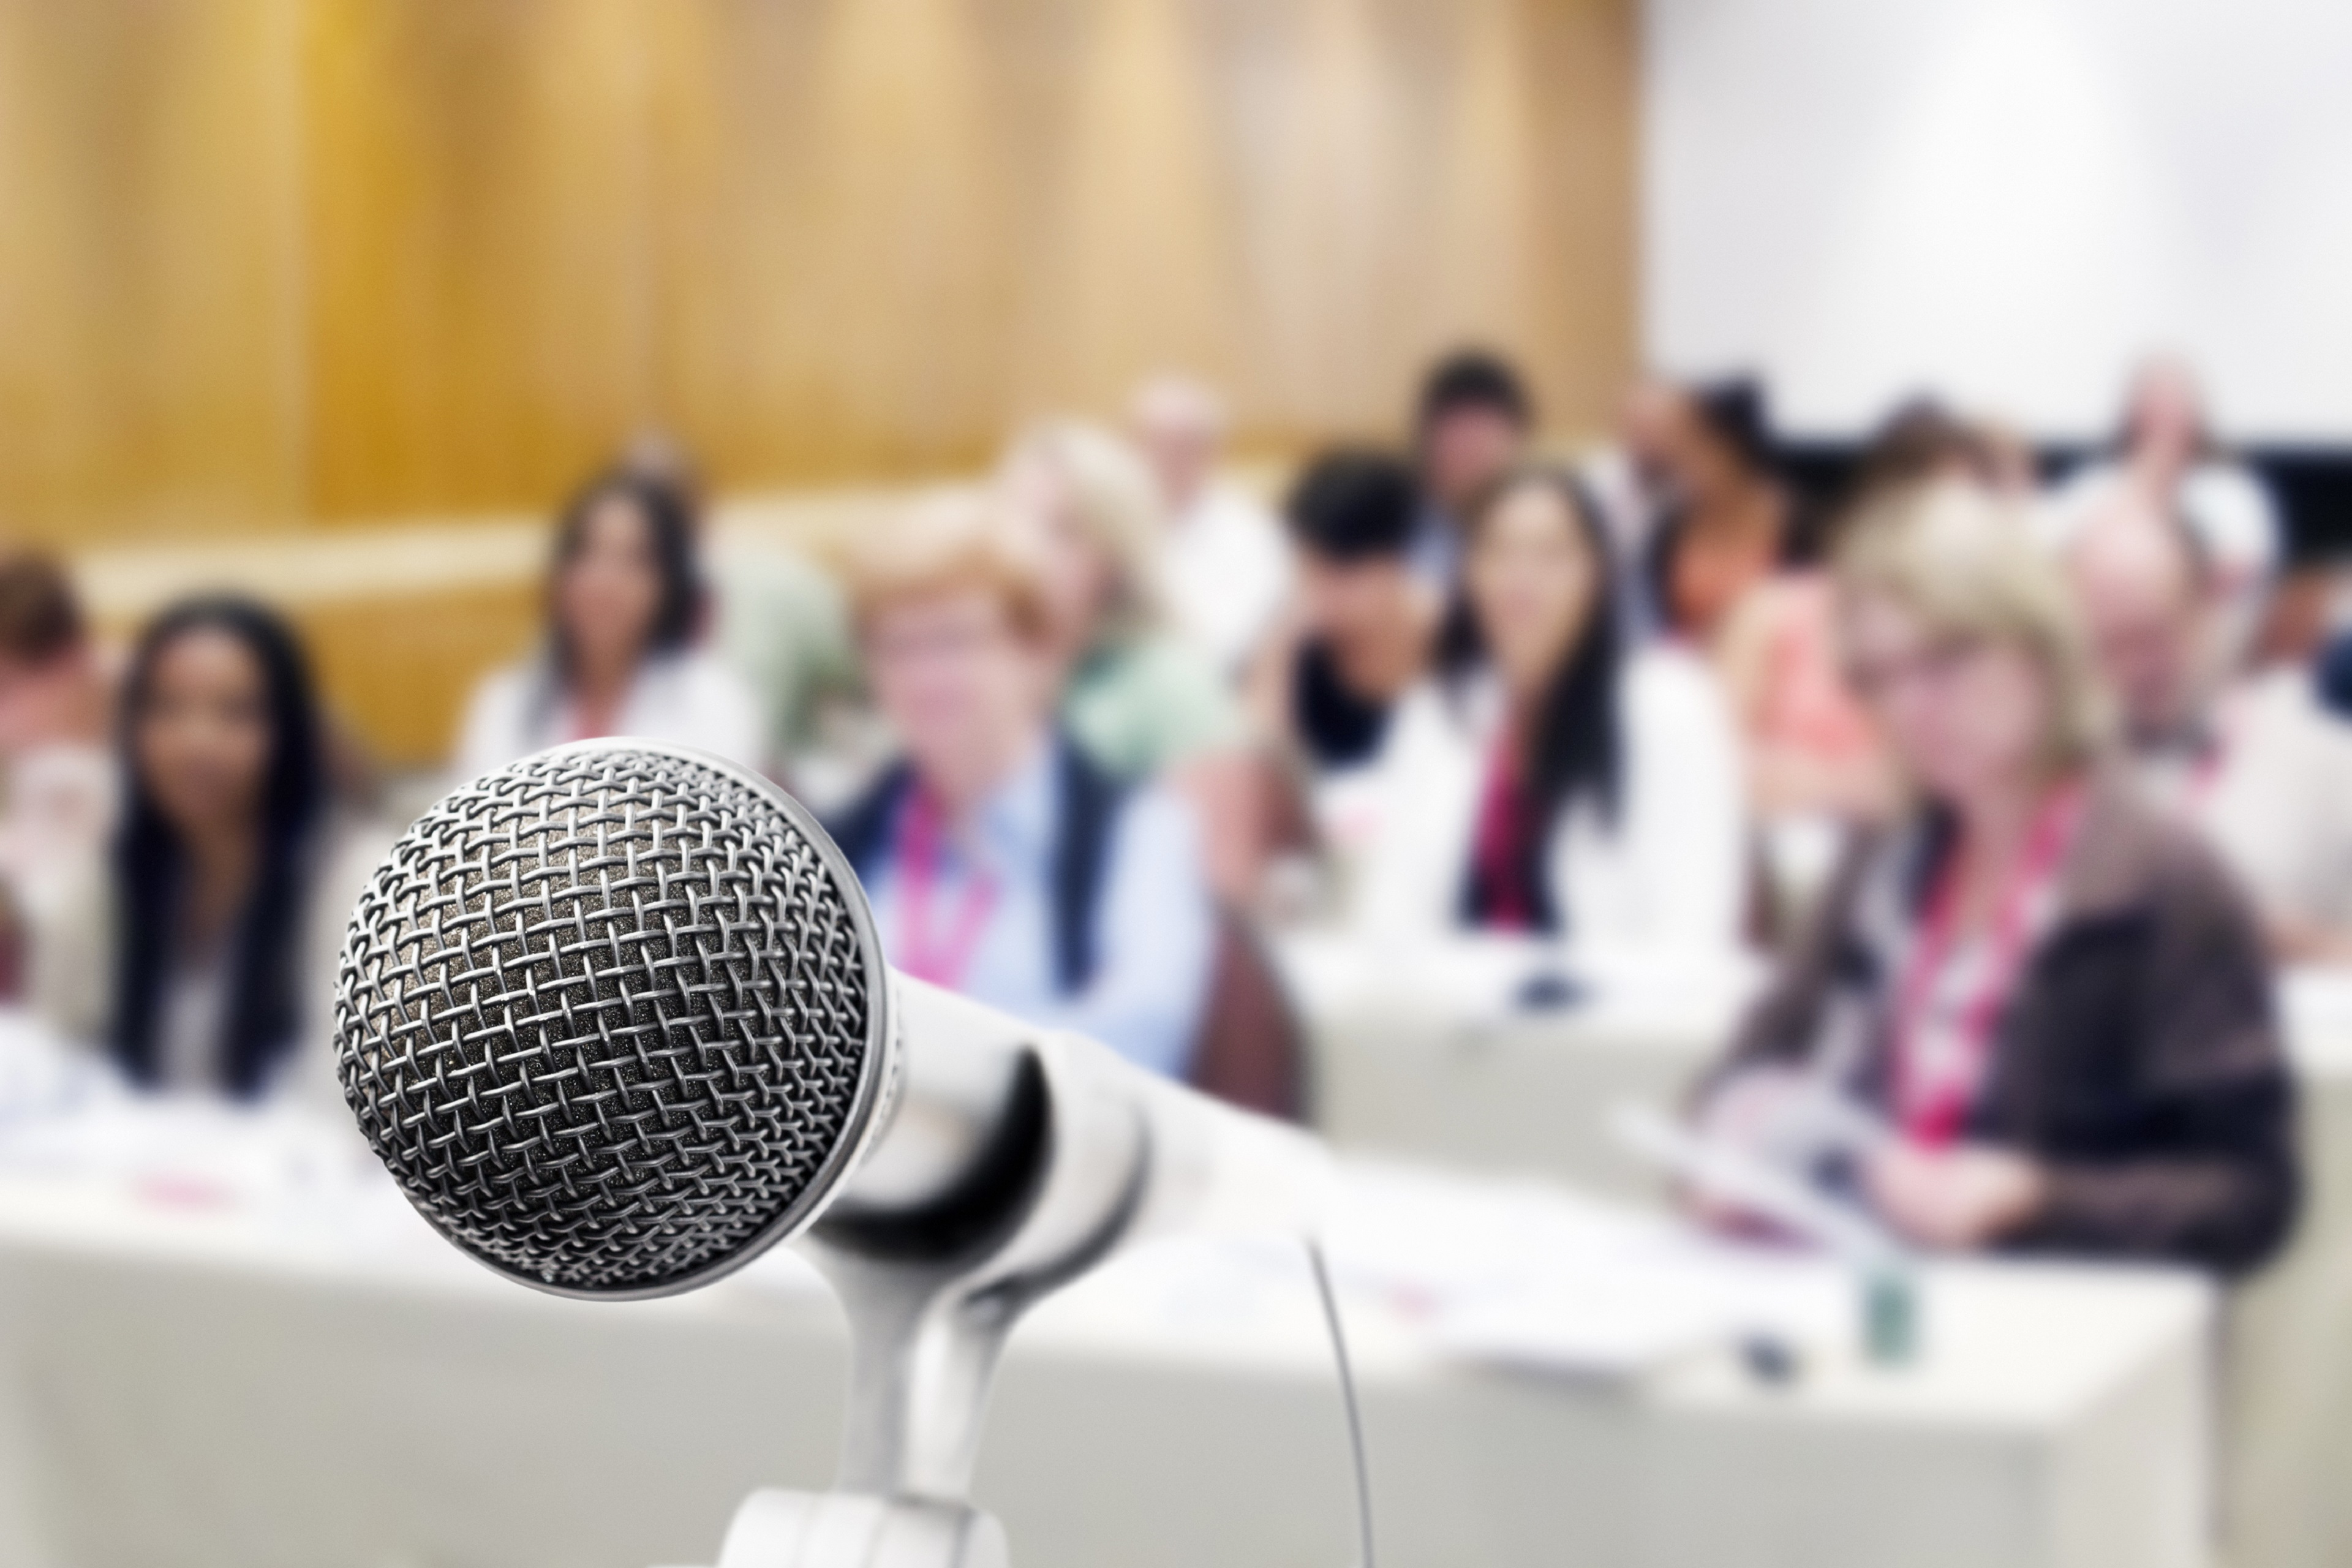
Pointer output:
614, 1017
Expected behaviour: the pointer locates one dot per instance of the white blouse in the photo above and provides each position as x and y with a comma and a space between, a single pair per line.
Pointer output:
1669, 875
688, 698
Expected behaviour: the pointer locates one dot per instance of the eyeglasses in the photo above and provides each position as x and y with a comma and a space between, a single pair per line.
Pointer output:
944, 643
1932, 664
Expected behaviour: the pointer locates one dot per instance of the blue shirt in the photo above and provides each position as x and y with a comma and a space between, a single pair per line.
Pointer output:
1435, 552
1154, 932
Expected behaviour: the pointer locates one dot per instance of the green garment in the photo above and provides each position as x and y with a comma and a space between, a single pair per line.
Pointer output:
783, 626
1139, 705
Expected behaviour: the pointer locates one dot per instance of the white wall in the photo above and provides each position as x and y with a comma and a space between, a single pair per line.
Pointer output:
2007, 201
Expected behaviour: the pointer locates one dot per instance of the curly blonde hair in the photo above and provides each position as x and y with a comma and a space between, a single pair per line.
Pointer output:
1967, 562
1112, 497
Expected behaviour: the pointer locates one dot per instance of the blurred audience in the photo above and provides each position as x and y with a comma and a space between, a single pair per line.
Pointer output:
1137, 696
2052, 1000
1726, 522
2167, 450
2257, 761
57, 706
1544, 779
1226, 568
1473, 423
777, 619
624, 606
1003, 859
1364, 623
1630, 482
201, 947
1815, 765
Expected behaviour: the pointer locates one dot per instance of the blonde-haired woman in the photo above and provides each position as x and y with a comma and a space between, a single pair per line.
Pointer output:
1140, 697
2051, 1003
1003, 861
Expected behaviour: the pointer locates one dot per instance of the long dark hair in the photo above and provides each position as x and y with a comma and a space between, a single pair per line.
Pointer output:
1577, 747
263, 1012
669, 513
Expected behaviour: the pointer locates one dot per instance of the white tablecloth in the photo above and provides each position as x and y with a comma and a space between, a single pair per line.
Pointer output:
1433, 1064
1425, 1056
240, 1367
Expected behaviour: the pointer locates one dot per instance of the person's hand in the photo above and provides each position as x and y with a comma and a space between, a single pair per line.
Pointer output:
1953, 1200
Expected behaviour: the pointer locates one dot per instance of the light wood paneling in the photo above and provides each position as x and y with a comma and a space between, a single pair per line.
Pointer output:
402, 666
479, 289
304, 264
150, 366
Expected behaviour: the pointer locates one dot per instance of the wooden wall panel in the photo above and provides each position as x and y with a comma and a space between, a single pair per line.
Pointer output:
835, 228
149, 363
479, 291
274, 262
890, 229
272, 265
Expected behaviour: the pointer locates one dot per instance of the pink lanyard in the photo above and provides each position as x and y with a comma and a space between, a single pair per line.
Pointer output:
940, 958
1932, 1106
1496, 840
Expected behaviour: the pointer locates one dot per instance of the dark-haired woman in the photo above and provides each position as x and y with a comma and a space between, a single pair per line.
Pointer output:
1727, 520
202, 952
624, 605
1544, 781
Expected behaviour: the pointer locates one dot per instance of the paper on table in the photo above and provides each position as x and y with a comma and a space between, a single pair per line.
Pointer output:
1537, 1277
1521, 1275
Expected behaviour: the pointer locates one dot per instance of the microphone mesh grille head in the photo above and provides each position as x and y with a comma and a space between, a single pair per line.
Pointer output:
611, 1017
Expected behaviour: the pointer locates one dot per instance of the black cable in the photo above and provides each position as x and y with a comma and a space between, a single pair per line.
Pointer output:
1330, 1300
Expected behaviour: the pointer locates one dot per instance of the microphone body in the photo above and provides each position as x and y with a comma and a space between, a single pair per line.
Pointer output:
965, 1071
615, 1018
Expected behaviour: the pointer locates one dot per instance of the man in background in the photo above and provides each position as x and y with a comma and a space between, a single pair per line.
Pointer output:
1473, 423
2255, 759
1366, 618
1225, 567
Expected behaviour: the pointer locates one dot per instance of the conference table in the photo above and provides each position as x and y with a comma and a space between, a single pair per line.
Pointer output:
1435, 1056
225, 1340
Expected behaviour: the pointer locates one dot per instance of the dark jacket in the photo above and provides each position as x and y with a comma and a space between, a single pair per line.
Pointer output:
1091, 800
2138, 1060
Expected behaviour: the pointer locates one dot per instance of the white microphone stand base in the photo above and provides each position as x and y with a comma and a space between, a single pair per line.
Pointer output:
855, 1530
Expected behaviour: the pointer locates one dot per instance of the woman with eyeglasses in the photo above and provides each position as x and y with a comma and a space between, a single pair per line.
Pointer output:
2032, 1015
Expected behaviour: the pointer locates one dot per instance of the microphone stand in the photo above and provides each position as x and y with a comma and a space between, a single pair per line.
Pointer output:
932, 1297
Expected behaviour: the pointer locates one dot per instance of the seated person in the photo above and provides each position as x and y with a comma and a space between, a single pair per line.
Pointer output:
2051, 999
1142, 700
2257, 762
1003, 860
777, 619
202, 951
1473, 423
1138, 697
1545, 780
1364, 623
624, 607
1223, 558
1816, 767
1628, 481
57, 712
2167, 454
1727, 523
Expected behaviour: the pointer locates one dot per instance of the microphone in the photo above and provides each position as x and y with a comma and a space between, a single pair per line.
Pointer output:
615, 1018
